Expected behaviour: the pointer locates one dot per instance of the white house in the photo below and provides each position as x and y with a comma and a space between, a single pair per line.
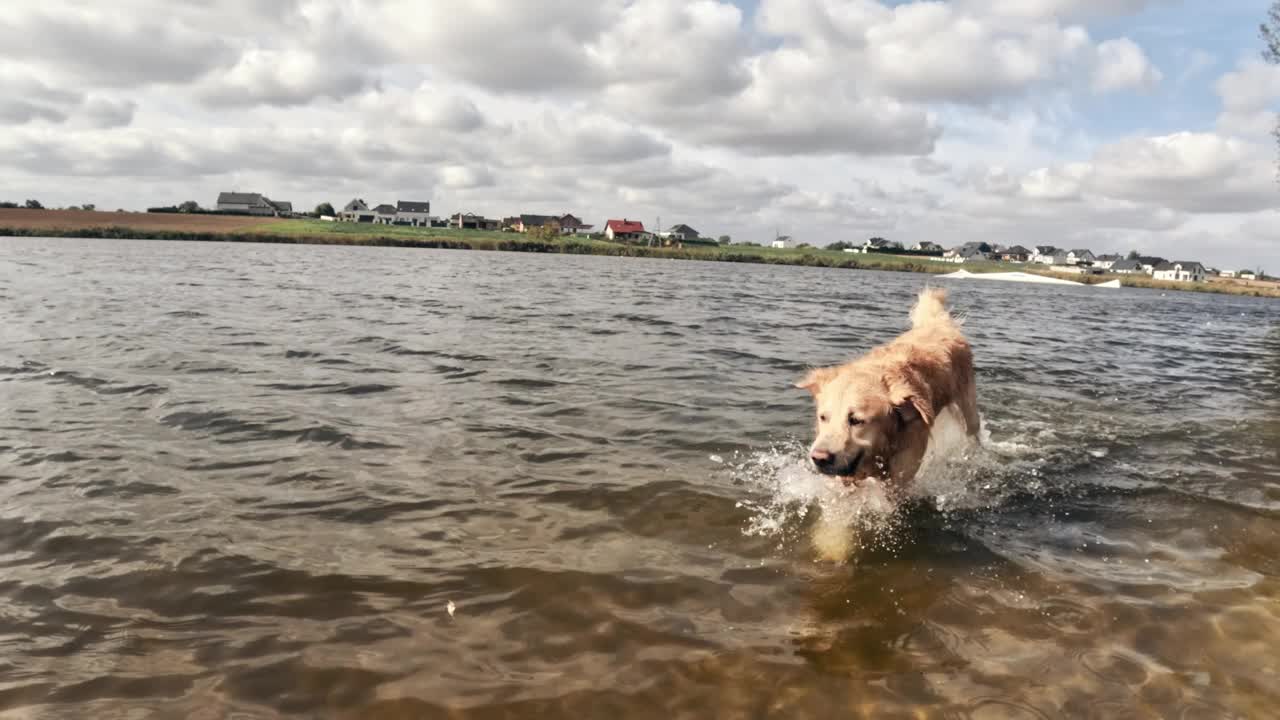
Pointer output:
1043, 254
1180, 271
877, 244
625, 230
1150, 263
384, 214
782, 242
927, 246
356, 211
409, 212
1226, 273
1079, 256
1106, 261
1248, 276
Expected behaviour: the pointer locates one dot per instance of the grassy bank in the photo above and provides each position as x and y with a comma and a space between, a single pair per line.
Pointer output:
176, 227
305, 232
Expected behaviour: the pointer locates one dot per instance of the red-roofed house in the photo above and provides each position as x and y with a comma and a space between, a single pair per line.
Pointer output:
625, 230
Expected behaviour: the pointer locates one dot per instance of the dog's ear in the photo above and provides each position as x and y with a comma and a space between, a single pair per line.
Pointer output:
911, 410
910, 403
816, 378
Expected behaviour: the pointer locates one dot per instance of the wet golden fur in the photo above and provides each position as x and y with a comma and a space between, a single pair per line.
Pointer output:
874, 414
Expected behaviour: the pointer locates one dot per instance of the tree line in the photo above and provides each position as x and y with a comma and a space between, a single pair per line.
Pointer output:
37, 205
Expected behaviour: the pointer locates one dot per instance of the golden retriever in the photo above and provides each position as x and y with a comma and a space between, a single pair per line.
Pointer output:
875, 413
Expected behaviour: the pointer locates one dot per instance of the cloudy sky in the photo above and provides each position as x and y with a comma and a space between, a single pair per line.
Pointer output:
1110, 124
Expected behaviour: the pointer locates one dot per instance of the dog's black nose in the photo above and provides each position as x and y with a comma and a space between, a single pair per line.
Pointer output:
822, 459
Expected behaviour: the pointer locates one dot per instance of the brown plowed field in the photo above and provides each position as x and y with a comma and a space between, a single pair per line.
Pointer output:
78, 219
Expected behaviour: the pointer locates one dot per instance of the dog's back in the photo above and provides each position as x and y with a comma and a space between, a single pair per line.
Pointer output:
936, 334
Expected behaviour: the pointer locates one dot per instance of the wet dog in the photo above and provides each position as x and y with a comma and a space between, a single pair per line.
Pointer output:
875, 414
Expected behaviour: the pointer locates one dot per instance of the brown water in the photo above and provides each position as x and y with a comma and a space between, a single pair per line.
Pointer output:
248, 481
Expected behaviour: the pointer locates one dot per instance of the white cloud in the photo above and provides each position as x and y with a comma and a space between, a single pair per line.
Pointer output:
523, 47
281, 77
671, 52
465, 176
1249, 96
24, 99
97, 45
969, 119
424, 108
101, 112
1189, 172
1054, 184
930, 51
1122, 65
1058, 9
1182, 173
930, 166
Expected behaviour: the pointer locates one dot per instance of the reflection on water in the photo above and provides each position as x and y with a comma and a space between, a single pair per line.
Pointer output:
250, 481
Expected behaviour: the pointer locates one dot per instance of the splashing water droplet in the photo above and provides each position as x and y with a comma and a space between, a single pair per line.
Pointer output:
956, 474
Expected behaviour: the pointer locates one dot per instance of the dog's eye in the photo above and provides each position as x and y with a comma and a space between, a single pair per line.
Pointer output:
853, 420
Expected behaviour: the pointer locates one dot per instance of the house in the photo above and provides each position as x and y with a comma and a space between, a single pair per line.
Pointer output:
782, 242
1227, 273
1248, 275
384, 214
1180, 271
968, 252
412, 212
251, 204
1017, 253
877, 244
682, 232
971, 250
1150, 262
1106, 261
472, 221
1126, 267
625, 230
525, 222
356, 211
570, 225
1075, 257
1043, 254
927, 246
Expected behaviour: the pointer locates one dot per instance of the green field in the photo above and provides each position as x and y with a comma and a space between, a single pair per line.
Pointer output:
305, 231
353, 233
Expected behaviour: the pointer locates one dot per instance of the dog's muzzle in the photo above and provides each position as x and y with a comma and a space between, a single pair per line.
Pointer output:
829, 463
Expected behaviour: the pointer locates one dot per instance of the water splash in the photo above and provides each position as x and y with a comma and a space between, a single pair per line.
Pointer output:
956, 474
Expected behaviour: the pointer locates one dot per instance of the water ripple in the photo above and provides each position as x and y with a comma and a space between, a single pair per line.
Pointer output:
242, 481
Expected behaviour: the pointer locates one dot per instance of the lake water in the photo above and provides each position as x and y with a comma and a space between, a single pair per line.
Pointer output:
251, 481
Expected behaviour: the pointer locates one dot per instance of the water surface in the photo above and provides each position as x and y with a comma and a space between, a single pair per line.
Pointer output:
249, 480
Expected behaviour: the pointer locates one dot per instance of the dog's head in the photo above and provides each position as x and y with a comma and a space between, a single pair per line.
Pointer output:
868, 424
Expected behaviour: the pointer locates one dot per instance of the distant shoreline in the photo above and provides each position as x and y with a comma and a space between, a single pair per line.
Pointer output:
205, 228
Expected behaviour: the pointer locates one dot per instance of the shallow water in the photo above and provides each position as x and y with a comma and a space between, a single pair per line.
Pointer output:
248, 481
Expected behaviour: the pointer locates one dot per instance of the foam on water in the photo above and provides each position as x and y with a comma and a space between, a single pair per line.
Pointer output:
956, 473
